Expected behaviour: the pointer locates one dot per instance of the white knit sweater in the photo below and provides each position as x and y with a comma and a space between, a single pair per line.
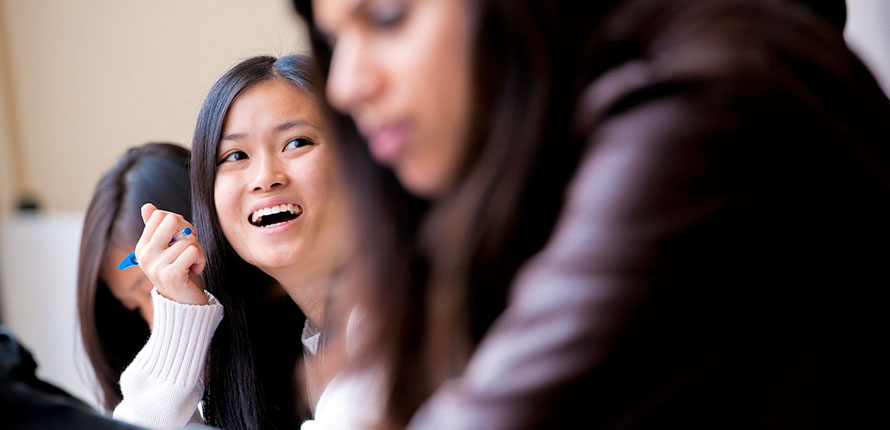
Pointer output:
163, 385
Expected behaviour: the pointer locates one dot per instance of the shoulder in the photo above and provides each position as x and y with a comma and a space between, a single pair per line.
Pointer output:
722, 106
728, 80
718, 51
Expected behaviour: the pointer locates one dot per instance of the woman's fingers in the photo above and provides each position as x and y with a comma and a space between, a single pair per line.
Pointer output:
173, 253
169, 226
155, 217
198, 267
171, 272
146, 210
171, 267
169, 255
184, 261
179, 272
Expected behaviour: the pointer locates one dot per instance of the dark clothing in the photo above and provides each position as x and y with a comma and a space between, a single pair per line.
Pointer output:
835, 11
723, 255
26, 402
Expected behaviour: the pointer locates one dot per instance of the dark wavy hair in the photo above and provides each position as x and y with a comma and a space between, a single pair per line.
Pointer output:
250, 381
113, 335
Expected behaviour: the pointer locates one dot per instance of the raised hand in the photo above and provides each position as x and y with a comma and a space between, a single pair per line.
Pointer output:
173, 268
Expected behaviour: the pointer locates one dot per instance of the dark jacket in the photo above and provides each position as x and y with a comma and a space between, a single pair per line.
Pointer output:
723, 256
27, 402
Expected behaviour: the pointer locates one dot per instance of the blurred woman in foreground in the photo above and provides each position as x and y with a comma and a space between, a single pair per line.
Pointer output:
642, 212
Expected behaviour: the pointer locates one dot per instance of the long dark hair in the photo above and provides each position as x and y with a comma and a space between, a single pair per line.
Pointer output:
250, 371
113, 335
527, 73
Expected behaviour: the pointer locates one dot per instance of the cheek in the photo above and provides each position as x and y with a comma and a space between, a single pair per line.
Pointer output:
441, 57
327, 236
226, 202
318, 188
322, 191
441, 99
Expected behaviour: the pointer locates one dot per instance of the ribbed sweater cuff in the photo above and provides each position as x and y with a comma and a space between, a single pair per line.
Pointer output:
179, 340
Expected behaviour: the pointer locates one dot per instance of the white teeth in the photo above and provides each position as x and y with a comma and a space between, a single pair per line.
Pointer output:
260, 213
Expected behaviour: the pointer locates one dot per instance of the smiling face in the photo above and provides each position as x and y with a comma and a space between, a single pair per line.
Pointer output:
401, 69
276, 189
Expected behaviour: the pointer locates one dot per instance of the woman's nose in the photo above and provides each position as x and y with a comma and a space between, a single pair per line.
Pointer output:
352, 80
268, 173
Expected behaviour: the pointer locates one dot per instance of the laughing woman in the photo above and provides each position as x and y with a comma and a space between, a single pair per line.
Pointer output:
268, 213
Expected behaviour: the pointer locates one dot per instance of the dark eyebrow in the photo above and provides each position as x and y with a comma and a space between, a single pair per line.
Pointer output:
278, 129
233, 136
297, 122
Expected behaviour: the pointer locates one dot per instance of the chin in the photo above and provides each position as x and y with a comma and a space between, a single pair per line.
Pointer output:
272, 262
421, 182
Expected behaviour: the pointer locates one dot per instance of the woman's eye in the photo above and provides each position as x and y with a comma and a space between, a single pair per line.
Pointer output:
387, 15
234, 156
297, 143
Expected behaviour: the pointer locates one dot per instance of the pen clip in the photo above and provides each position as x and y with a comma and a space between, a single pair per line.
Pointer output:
128, 262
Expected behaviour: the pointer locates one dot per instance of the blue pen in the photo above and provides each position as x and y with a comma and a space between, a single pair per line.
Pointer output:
130, 260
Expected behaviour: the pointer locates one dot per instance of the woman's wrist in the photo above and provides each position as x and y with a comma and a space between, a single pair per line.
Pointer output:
186, 297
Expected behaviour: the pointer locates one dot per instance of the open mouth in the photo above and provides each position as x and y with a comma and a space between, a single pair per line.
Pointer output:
275, 215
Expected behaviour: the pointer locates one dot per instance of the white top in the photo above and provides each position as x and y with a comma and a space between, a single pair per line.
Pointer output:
351, 400
163, 386
310, 338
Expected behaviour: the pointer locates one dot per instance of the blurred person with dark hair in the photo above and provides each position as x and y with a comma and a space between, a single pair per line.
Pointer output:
114, 306
642, 213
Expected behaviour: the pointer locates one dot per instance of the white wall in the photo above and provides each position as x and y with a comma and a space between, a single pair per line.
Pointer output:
38, 255
7, 178
90, 78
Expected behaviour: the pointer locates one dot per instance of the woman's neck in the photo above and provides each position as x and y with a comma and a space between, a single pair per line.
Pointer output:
308, 292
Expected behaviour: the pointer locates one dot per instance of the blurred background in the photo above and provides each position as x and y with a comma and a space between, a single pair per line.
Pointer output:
80, 82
